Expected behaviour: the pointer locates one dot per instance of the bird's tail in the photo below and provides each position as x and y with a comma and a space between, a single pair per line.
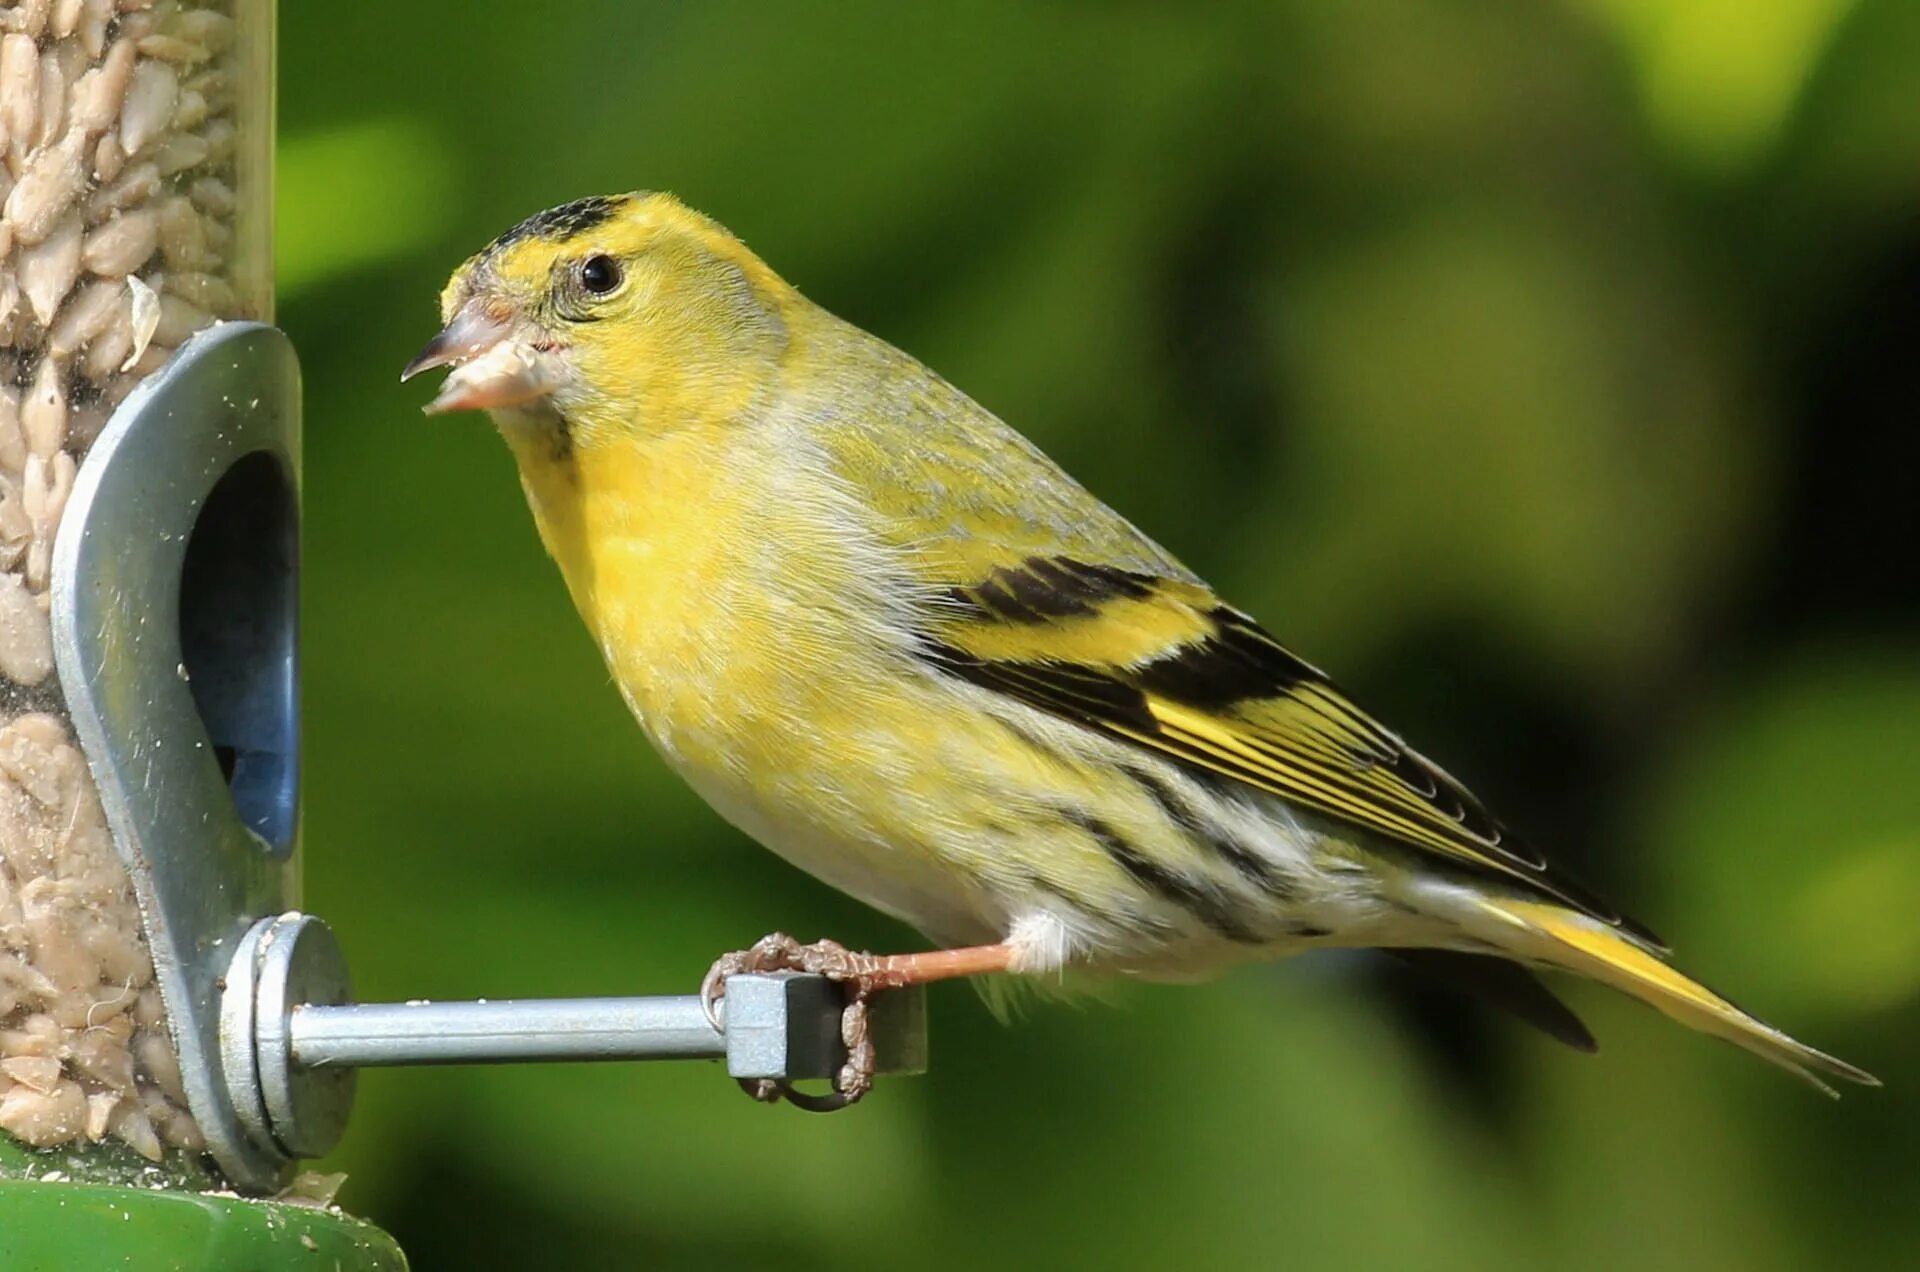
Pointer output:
1558, 937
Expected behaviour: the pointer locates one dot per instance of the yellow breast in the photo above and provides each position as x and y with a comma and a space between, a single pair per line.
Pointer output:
750, 637
718, 597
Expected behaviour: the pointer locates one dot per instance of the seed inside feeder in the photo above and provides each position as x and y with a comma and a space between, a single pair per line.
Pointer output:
119, 195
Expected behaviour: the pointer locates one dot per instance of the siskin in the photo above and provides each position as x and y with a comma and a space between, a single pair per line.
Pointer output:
882, 634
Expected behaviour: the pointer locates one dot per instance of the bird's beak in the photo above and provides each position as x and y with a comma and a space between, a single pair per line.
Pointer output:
492, 366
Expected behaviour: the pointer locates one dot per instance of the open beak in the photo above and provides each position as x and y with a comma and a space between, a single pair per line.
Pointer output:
491, 367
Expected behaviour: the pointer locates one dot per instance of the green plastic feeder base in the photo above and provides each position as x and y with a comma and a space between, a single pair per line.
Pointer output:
74, 1227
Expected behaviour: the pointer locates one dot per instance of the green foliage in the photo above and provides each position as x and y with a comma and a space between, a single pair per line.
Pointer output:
354, 195
1486, 350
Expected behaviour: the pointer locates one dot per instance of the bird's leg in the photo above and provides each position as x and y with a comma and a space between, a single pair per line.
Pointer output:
863, 975
869, 973
898, 971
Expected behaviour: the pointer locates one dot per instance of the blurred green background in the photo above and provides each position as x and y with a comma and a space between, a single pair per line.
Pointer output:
1546, 370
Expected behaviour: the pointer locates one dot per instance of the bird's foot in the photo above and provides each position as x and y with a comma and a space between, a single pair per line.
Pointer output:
861, 975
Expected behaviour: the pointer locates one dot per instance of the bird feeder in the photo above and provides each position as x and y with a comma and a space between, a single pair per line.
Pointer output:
138, 190
170, 1024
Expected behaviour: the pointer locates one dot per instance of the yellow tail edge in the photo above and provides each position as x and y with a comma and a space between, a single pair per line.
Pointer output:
1569, 940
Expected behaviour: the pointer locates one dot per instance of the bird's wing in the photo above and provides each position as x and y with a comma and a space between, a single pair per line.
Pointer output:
1162, 663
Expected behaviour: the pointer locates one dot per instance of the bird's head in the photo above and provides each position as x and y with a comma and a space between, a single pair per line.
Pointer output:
610, 313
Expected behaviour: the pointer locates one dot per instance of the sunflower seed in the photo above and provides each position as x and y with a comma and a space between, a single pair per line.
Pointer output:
100, 96
135, 186
211, 30
28, 17
65, 469
131, 1125
89, 313
214, 85
100, 1107
144, 363
43, 411
177, 152
209, 291
49, 268
42, 1073
44, 1120
19, 88
219, 137
179, 318
106, 351
136, 20
16, 532
151, 95
49, 186
181, 1131
155, 1053
66, 18
26, 639
190, 111
123, 244
172, 48
212, 196
44, 490
183, 234
108, 158
37, 1035
13, 443
53, 95
94, 18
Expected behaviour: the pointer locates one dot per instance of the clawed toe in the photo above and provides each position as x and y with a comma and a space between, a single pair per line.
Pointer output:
779, 952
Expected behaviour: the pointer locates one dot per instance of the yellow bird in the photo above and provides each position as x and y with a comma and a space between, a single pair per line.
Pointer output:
881, 633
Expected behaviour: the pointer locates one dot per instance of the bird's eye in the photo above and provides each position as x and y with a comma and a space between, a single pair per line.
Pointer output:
599, 274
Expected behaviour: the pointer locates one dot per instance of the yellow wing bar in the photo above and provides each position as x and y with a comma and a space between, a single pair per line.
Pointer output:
1225, 697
